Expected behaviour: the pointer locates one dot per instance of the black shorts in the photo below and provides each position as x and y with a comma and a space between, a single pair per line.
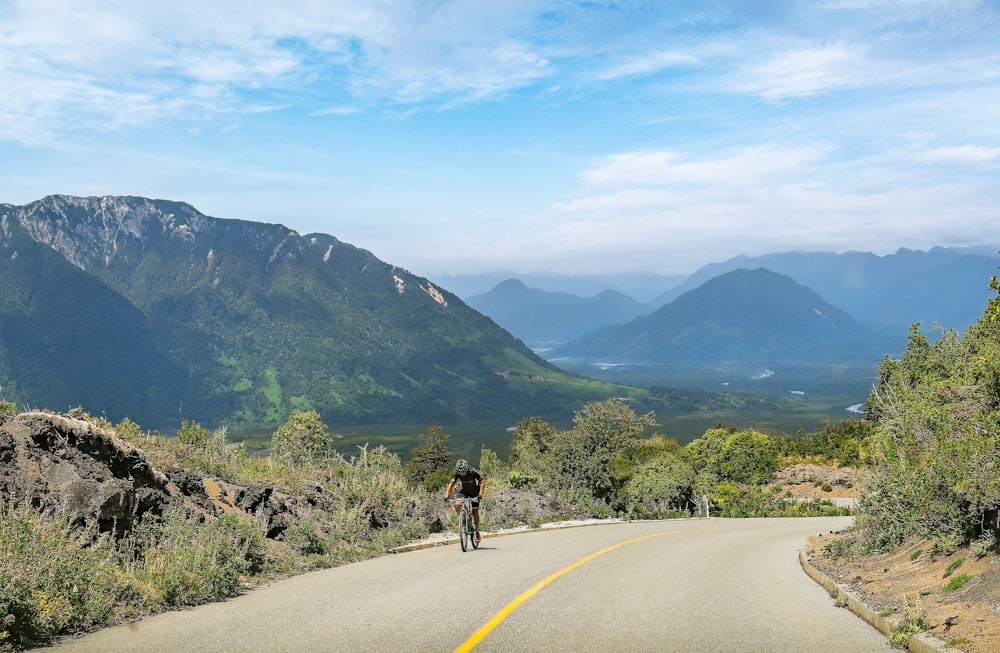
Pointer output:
475, 500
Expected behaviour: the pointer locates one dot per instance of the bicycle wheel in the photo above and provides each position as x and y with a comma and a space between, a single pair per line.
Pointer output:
463, 528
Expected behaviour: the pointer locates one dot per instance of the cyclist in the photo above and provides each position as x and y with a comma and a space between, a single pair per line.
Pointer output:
473, 485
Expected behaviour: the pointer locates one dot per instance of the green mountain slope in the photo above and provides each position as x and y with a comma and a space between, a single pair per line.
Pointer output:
235, 321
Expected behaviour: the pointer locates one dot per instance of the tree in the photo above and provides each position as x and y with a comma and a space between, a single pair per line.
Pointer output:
660, 488
748, 457
303, 438
596, 454
531, 445
192, 434
430, 464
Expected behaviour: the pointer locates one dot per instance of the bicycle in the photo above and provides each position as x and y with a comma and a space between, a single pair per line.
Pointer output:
466, 524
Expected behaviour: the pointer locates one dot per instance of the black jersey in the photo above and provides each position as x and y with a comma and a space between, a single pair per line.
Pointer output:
471, 483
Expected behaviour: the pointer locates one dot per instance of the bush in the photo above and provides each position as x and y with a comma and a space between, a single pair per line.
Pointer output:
192, 434
7, 409
936, 430
54, 577
956, 582
184, 561
302, 439
661, 488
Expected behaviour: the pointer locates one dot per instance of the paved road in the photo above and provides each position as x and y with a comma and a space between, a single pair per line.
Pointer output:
686, 585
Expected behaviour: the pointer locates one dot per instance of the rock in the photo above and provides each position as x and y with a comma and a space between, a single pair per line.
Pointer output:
68, 463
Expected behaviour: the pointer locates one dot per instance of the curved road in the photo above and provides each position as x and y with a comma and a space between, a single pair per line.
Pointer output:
682, 585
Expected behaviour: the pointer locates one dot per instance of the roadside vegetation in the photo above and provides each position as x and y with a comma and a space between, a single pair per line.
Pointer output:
57, 578
928, 444
935, 442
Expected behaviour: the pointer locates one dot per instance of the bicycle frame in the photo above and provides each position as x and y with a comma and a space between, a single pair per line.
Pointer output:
466, 524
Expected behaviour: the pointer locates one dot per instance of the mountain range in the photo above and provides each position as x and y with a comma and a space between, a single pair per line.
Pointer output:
748, 317
944, 286
152, 310
541, 318
149, 309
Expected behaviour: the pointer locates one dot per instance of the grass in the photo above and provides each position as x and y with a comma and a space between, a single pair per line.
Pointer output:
956, 582
907, 626
57, 578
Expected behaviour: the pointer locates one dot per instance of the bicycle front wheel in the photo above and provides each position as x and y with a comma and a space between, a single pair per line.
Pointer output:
463, 528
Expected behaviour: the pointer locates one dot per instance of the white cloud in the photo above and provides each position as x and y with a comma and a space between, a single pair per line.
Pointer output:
664, 167
970, 154
812, 70
647, 63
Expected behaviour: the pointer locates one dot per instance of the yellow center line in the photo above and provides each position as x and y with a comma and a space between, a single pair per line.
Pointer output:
498, 618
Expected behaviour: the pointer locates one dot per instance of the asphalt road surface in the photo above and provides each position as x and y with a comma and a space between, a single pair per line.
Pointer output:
698, 585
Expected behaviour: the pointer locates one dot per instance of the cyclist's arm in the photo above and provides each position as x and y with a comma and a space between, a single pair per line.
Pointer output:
482, 486
451, 486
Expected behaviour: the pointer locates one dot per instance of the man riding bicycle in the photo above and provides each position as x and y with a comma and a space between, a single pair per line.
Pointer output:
473, 485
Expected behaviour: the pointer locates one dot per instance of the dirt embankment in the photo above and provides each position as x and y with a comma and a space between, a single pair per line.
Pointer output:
915, 580
958, 593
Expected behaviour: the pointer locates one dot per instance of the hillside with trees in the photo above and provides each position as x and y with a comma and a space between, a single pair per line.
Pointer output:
149, 309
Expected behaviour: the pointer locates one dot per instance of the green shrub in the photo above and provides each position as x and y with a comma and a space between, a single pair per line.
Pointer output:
192, 434
184, 561
840, 548
661, 488
431, 463
956, 582
302, 439
55, 578
982, 546
952, 566
7, 409
520, 480
907, 626
304, 537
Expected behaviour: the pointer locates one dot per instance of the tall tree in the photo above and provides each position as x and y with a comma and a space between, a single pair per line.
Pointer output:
430, 463
304, 437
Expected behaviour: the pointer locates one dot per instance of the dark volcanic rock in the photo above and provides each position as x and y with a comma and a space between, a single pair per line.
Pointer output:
62, 462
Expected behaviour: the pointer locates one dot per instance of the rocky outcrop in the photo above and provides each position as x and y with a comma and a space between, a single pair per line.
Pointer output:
68, 463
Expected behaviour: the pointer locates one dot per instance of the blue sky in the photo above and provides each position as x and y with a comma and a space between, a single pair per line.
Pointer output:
549, 136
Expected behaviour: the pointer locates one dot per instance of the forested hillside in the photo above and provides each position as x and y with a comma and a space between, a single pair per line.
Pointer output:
151, 310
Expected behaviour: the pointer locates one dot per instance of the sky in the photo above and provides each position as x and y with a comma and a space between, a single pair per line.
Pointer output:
455, 137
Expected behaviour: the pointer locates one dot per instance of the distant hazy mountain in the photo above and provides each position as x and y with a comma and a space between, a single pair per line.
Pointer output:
746, 316
152, 310
641, 287
538, 317
948, 286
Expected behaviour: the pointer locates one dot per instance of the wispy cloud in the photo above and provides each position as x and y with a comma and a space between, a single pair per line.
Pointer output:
645, 64
665, 167
969, 154
813, 70
704, 129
